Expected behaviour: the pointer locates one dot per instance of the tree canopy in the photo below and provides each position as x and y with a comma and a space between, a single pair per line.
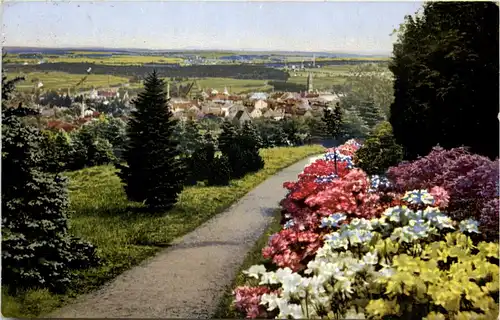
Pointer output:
445, 65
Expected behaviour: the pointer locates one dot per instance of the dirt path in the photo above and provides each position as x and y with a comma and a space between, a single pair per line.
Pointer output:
188, 279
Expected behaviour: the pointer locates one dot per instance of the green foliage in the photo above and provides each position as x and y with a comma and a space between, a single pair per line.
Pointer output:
59, 150
332, 118
189, 136
365, 108
372, 85
90, 149
200, 162
353, 125
111, 129
220, 172
379, 152
37, 249
295, 129
449, 279
271, 132
154, 173
445, 64
241, 147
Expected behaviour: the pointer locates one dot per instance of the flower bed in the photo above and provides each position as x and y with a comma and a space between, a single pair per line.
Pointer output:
354, 246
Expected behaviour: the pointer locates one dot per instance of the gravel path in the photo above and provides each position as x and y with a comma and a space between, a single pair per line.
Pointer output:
188, 279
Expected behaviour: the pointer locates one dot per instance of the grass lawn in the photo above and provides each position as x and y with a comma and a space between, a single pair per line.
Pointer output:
226, 308
125, 236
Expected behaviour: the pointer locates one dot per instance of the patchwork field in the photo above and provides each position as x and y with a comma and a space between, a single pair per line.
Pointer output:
94, 58
63, 81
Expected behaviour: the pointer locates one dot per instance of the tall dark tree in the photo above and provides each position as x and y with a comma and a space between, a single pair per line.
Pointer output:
154, 173
37, 249
332, 118
445, 65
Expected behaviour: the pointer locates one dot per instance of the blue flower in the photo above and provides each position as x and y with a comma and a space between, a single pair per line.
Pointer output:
469, 226
289, 224
418, 197
333, 220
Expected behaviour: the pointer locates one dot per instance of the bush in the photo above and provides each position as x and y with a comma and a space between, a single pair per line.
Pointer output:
89, 150
37, 249
155, 172
470, 179
350, 250
271, 133
250, 144
59, 150
241, 147
379, 152
220, 172
111, 129
200, 162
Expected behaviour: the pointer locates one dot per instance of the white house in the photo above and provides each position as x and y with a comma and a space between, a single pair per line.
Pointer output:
256, 113
260, 104
258, 96
93, 94
233, 110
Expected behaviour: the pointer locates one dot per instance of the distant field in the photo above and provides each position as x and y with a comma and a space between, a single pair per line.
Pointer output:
233, 85
63, 81
323, 82
323, 78
113, 60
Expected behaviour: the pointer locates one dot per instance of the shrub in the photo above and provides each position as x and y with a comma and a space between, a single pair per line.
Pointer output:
271, 133
408, 264
220, 172
154, 173
379, 152
59, 150
250, 144
111, 129
241, 147
199, 163
89, 150
471, 181
37, 249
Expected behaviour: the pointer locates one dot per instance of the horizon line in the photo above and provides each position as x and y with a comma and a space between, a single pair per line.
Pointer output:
372, 53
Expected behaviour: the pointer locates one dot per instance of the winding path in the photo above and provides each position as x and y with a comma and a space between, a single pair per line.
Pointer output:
188, 279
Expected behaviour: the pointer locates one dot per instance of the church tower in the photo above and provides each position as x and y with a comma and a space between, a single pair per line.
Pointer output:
309, 82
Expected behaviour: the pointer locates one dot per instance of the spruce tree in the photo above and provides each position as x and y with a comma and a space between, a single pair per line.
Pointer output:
332, 118
154, 173
199, 163
37, 249
250, 143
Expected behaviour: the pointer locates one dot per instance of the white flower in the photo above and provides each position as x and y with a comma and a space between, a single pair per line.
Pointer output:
254, 271
281, 273
269, 278
290, 283
290, 310
469, 225
271, 300
371, 258
443, 221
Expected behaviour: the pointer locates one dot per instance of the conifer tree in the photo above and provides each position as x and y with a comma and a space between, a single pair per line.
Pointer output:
251, 142
37, 249
200, 161
332, 118
154, 173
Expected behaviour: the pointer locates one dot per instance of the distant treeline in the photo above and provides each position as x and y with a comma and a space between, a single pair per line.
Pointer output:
213, 71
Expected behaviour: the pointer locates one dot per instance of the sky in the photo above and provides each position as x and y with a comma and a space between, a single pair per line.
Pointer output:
353, 27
